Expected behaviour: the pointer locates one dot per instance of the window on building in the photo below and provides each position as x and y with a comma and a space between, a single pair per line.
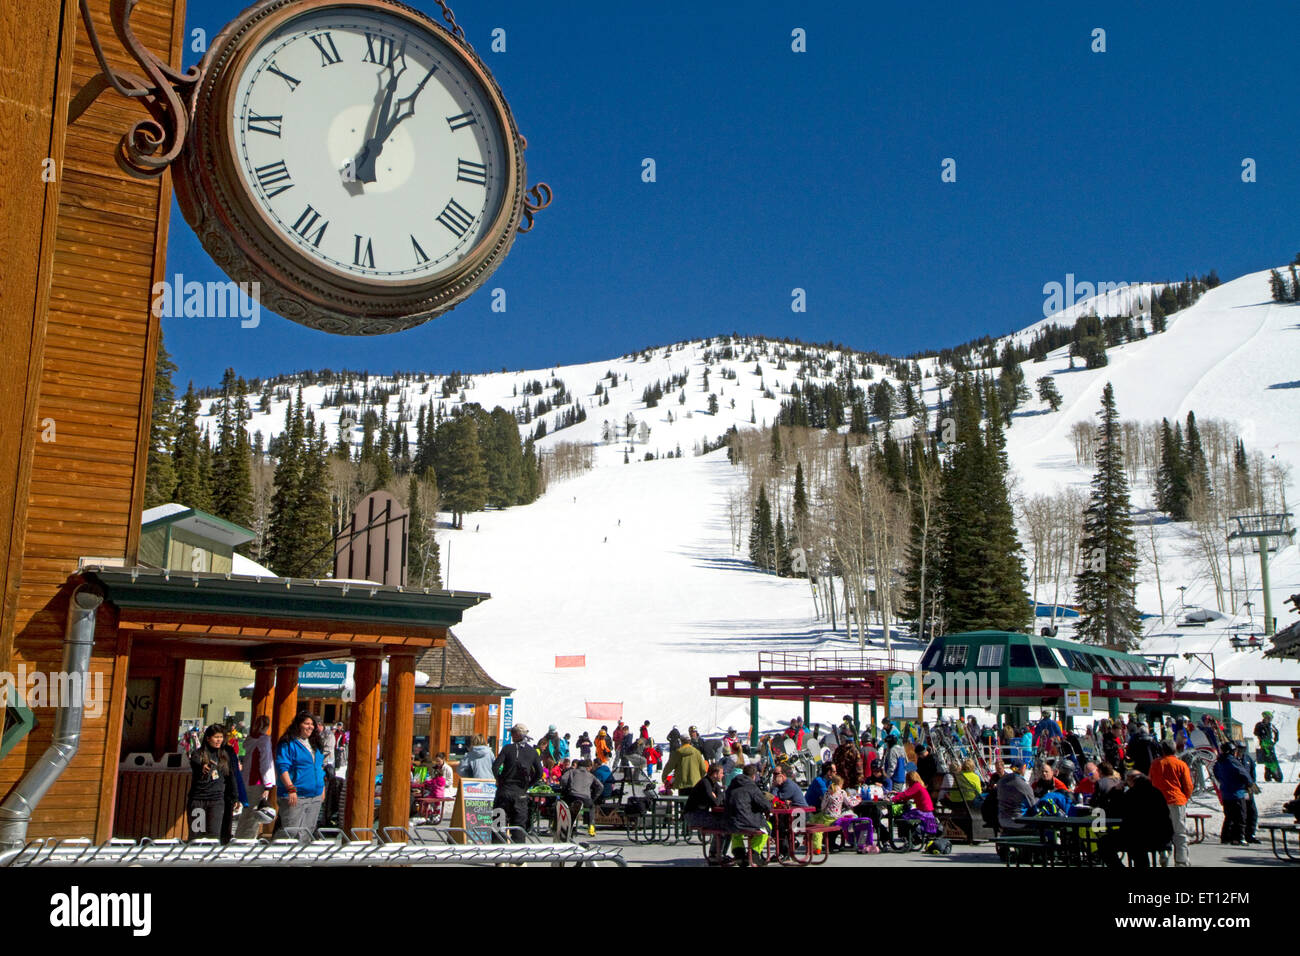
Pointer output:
991, 655
1021, 656
954, 655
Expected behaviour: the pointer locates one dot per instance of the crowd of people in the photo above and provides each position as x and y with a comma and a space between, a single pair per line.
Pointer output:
868, 783
231, 769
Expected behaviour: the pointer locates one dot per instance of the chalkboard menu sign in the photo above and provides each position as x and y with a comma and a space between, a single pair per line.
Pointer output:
473, 811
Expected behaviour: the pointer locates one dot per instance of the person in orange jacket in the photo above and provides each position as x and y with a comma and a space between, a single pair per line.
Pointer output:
1173, 778
604, 746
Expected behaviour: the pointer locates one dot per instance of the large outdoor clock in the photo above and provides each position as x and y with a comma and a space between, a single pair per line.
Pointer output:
355, 159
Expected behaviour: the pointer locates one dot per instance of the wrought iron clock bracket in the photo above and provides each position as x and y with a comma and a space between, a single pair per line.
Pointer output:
151, 145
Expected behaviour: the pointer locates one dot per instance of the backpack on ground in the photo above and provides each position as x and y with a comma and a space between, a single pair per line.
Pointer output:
939, 846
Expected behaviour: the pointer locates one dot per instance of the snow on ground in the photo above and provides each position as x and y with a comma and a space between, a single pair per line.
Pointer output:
631, 564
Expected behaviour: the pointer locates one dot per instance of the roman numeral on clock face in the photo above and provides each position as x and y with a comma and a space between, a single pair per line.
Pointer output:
456, 218
329, 53
468, 171
291, 80
461, 121
265, 124
272, 174
306, 222
363, 256
380, 50
421, 256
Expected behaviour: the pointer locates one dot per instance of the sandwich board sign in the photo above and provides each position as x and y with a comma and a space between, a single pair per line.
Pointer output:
473, 810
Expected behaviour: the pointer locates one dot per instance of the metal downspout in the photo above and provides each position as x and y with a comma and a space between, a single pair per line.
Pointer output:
78, 642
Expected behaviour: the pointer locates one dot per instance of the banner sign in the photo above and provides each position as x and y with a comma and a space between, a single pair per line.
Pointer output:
572, 660
609, 710
322, 672
507, 719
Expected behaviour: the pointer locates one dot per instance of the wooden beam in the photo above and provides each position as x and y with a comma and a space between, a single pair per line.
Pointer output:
246, 627
395, 810
286, 698
113, 741
363, 744
263, 692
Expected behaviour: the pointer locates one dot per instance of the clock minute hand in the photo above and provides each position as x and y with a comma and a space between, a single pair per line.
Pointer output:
407, 103
364, 165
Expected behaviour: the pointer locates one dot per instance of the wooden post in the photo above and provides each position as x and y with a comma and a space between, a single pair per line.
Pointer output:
395, 810
286, 698
363, 743
263, 691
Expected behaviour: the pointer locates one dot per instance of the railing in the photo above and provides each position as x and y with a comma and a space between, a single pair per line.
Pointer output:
831, 661
420, 847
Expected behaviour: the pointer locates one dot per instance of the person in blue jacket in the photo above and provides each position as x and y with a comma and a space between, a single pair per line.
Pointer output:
817, 789
1234, 787
300, 773
606, 777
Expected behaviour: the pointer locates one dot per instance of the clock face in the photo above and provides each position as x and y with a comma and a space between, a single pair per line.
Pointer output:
367, 145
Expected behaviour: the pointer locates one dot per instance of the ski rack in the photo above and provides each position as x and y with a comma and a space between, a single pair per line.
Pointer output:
338, 851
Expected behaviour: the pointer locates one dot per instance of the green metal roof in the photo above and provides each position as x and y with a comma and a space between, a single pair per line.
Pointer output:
300, 598
205, 525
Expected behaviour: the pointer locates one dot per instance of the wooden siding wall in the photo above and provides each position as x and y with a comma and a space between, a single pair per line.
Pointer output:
94, 378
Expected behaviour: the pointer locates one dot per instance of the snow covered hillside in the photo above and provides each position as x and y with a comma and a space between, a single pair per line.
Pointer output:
632, 566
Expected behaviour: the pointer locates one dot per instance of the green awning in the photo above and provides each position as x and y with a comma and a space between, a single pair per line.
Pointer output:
292, 598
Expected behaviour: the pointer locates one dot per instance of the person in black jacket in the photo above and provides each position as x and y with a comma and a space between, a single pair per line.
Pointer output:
212, 788
700, 802
746, 808
1145, 824
1143, 750
516, 769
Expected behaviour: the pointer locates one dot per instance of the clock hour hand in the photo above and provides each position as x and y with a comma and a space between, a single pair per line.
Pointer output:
364, 164
405, 109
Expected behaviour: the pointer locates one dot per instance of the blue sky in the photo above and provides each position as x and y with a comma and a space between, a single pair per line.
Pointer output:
821, 171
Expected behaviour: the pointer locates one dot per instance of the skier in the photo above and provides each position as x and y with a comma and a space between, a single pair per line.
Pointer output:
1266, 734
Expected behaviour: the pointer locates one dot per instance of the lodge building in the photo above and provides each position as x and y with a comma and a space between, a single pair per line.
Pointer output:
83, 249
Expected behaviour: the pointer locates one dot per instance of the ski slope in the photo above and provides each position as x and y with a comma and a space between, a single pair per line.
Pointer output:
631, 565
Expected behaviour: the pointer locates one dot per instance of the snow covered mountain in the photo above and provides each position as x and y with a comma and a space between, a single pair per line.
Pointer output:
631, 566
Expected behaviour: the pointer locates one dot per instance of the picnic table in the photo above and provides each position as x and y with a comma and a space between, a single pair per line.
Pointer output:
1285, 852
432, 807
663, 821
1063, 837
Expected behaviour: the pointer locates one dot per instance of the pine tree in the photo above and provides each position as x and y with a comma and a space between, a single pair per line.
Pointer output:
1107, 584
1277, 287
1048, 392
981, 572
423, 561
778, 456
462, 477
187, 456
1198, 478
799, 524
530, 482
781, 548
1158, 321
1173, 490
315, 557
232, 484
761, 535
160, 474
285, 536
503, 459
